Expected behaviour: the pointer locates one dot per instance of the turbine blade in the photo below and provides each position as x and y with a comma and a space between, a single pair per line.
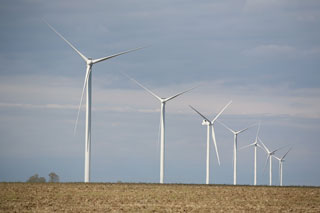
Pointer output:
245, 129
215, 143
82, 94
199, 113
264, 146
115, 55
265, 165
276, 158
221, 112
75, 49
143, 87
258, 145
244, 147
286, 153
228, 128
258, 130
174, 96
278, 149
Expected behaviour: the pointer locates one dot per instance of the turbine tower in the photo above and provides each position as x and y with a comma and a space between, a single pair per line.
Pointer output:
87, 85
208, 123
255, 144
235, 147
270, 155
163, 102
281, 160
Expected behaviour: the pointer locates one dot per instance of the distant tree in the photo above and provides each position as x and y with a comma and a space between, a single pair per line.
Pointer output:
53, 178
36, 179
42, 180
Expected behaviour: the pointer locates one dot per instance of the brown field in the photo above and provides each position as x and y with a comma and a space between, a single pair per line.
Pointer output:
122, 197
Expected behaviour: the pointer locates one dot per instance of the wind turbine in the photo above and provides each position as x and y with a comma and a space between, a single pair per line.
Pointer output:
209, 124
281, 160
163, 102
270, 155
235, 145
87, 85
255, 145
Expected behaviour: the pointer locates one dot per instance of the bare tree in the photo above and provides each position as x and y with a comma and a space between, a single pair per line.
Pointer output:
53, 178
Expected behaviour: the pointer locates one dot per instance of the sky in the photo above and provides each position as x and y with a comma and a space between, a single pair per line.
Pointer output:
264, 55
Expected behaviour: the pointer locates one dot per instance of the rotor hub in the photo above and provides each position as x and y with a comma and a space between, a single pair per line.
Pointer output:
90, 62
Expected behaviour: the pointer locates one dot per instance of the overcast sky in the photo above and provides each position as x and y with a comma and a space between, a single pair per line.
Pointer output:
262, 54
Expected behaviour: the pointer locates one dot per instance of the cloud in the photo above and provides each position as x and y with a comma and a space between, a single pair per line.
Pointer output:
258, 6
314, 51
262, 4
272, 51
37, 106
251, 99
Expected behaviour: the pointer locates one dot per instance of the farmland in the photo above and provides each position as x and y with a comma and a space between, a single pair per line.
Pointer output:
123, 197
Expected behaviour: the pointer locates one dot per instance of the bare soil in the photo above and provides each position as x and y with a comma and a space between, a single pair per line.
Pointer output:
123, 197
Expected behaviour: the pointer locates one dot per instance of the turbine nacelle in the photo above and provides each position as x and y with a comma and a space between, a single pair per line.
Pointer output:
206, 123
163, 100
89, 62
272, 153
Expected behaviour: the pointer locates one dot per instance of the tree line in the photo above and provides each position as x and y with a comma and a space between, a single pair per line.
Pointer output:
53, 178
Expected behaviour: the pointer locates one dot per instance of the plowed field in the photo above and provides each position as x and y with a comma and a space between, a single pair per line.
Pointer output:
122, 197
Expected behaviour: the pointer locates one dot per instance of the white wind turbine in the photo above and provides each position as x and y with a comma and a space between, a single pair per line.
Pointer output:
270, 155
235, 147
281, 160
87, 85
255, 145
209, 124
163, 102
